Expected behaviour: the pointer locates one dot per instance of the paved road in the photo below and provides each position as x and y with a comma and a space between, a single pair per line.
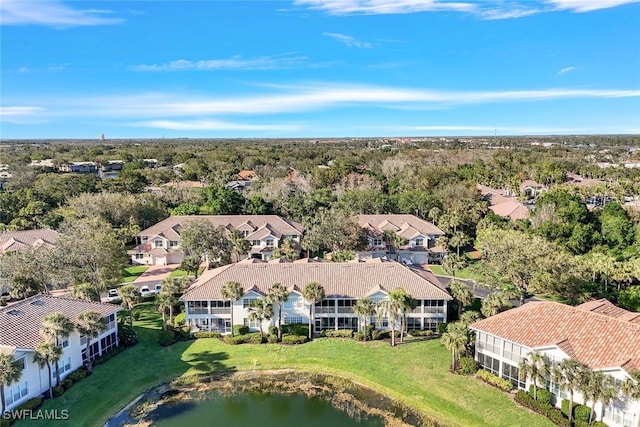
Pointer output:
480, 291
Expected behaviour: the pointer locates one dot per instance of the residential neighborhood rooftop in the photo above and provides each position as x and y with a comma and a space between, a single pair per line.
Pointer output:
595, 339
20, 323
27, 239
340, 280
406, 225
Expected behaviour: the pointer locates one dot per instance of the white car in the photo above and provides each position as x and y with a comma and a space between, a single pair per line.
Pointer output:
145, 291
158, 288
112, 295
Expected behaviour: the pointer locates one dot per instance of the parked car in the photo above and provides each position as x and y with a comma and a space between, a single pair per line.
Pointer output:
158, 288
112, 295
145, 291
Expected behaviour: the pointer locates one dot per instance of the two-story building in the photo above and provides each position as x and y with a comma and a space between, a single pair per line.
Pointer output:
597, 334
160, 243
14, 241
80, 167
343, 283
20, 324
417, 236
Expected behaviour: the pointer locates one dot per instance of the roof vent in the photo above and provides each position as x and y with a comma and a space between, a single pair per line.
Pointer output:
14, 312
38, 303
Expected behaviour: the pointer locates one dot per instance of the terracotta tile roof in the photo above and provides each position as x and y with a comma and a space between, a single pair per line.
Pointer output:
23, 240
247, 174
599, 341
20, 323
282, 225
492, 195
512, 209
262, 232
604, 306
351, 280
397, 222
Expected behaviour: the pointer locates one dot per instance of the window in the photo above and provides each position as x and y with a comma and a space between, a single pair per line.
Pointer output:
269, 243
21, 363
255, 242
414, 323
293, 302
419, 241
294, 320
252, 324
65, 342
244, 233
158, 243
16, 392
248, 302
173, 243
511, 373
139, 256
432, 323
489, 363
144, 238
378, 242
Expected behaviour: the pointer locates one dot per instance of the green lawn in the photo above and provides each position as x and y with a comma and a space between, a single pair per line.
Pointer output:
465, 273
130, 274
180, 273
415, 373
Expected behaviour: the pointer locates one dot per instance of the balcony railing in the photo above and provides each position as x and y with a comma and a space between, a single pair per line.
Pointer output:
219, 311
325, 310
345, 310
197, 311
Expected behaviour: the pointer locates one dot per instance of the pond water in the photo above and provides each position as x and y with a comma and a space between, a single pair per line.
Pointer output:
257, 409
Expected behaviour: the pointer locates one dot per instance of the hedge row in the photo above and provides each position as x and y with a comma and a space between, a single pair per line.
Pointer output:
338, 333
294, 339
544, 408
207, 334
29, 405
421, 333
252, 338
494, 380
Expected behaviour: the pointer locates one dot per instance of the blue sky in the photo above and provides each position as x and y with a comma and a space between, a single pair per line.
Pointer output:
318, 68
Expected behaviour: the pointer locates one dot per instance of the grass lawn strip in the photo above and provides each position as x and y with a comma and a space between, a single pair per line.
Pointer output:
414, 373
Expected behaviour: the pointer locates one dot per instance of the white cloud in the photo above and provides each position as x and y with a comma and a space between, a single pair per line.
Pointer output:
233, 63
302, 98
22, 114
566, 70
588, 5
486, 9
51, 13
349, 41
200, 125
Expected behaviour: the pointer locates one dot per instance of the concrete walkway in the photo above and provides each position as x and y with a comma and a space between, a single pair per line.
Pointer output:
156, 273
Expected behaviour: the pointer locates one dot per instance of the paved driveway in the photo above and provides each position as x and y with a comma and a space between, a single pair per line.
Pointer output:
155, 274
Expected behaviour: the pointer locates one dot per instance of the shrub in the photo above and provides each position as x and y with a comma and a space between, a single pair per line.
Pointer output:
295, 329
375, 334
58, 391
31, 404
582, 413
544, 396
369, 331
180, 319
557, 417
207, 334
136, 315
294, 339
253, 338
78, 374
420, 332
543, 408
564, 405
339, 333
494, 380
598, 424
442, 327
3, 302
127, 336
67, 383
167, 337
106, 356
467, 366
273, 330
240, 330
183, 333
358, 336
272, 338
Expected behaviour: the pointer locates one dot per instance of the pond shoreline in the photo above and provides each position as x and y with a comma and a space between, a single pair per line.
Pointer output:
357, 400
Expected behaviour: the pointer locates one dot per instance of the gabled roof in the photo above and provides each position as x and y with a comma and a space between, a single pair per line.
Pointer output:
263, 232
604, 306
349, 280
596, 340
395, 222
279, 224
512, 209
23, 240
20, 323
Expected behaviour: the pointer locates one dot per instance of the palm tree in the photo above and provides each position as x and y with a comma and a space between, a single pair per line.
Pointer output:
597, 387
164, 302
240, 245
259, 311
90, 324
631, 388
405, 304
10, 372
495, 303
129, 295
393, 241
455, 339
286, 250
86, 291
314, 293
278, 294
567, 375
535, 368
461, 293
54, 326
364, 308
453, 263
434, 214
173, 286
232, 291
46, 354
390, 308
459, 240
